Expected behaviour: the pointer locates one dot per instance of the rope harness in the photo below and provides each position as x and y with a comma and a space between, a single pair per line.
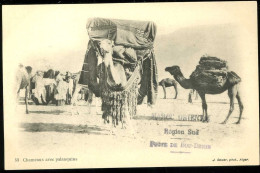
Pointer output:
120, 102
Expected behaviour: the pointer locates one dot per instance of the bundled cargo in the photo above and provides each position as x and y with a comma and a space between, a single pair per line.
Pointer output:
214, 71
213, 63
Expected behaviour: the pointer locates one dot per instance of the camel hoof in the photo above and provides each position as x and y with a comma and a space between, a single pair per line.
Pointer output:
124, 126
27, 112
237, 122
224, 122
205, 121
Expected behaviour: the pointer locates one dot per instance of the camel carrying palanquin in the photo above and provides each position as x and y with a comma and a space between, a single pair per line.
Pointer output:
120, 66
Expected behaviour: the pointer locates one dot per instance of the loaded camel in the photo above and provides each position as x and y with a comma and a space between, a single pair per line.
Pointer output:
116, 78
232, 87
23, 76
115, 71
168, 83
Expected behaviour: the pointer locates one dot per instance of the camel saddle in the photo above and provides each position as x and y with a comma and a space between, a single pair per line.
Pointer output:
214, 71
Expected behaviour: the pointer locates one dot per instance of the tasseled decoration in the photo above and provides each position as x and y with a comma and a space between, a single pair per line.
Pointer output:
116, 103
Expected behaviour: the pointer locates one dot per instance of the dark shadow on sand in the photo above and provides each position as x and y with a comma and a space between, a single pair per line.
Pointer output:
29, 103
62, 128
152, 118
183, 118
32, 103
55, 112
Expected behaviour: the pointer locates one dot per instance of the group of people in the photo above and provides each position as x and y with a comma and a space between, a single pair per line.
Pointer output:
45, 87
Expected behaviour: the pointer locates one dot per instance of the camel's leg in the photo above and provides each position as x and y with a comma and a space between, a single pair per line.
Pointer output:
190, 97
26, 99
241, 107
105, 117
196, 94
38, 93
43, 94
67, 98
231, 93
204, 107
113, 122
74, 96
29, 90
82, 95
74, 102
18, 96
89, 101
176, 91
96, 105
164, 91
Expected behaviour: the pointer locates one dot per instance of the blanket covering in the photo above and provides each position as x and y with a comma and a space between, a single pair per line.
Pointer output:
133, 48
133, 43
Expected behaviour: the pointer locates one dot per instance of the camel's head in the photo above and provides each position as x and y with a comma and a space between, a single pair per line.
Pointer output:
40, 73
106, 46
173, 69
28, 69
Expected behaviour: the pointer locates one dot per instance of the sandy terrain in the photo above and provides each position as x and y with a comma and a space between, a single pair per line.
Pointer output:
55, 129
60, 121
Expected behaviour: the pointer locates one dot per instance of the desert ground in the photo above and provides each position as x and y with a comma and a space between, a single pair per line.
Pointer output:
56, 122
55, 129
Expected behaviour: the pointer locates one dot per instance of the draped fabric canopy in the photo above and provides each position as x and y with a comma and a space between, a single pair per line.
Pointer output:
129, 33
137, 35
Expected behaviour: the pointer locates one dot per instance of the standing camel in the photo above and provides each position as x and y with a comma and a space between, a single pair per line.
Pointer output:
168, 83
116, 78
115, 71
229, 84
23, 82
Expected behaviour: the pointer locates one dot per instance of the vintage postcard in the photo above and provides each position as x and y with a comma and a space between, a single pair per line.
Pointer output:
130, 85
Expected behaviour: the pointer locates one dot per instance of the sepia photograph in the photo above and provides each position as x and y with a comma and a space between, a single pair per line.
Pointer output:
130, 85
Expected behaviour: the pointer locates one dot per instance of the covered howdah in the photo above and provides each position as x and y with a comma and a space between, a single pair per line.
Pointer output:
133, 49
129, 33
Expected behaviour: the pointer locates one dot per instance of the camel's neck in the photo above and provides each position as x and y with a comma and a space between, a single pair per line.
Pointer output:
185, 83
108, 60
112, 72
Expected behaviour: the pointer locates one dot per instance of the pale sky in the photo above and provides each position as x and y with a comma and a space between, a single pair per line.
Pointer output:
56, 35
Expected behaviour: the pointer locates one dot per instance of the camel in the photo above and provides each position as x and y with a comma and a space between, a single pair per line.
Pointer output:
116, 78
115, 71
23, 78
85, 94
168, 83
233, 90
